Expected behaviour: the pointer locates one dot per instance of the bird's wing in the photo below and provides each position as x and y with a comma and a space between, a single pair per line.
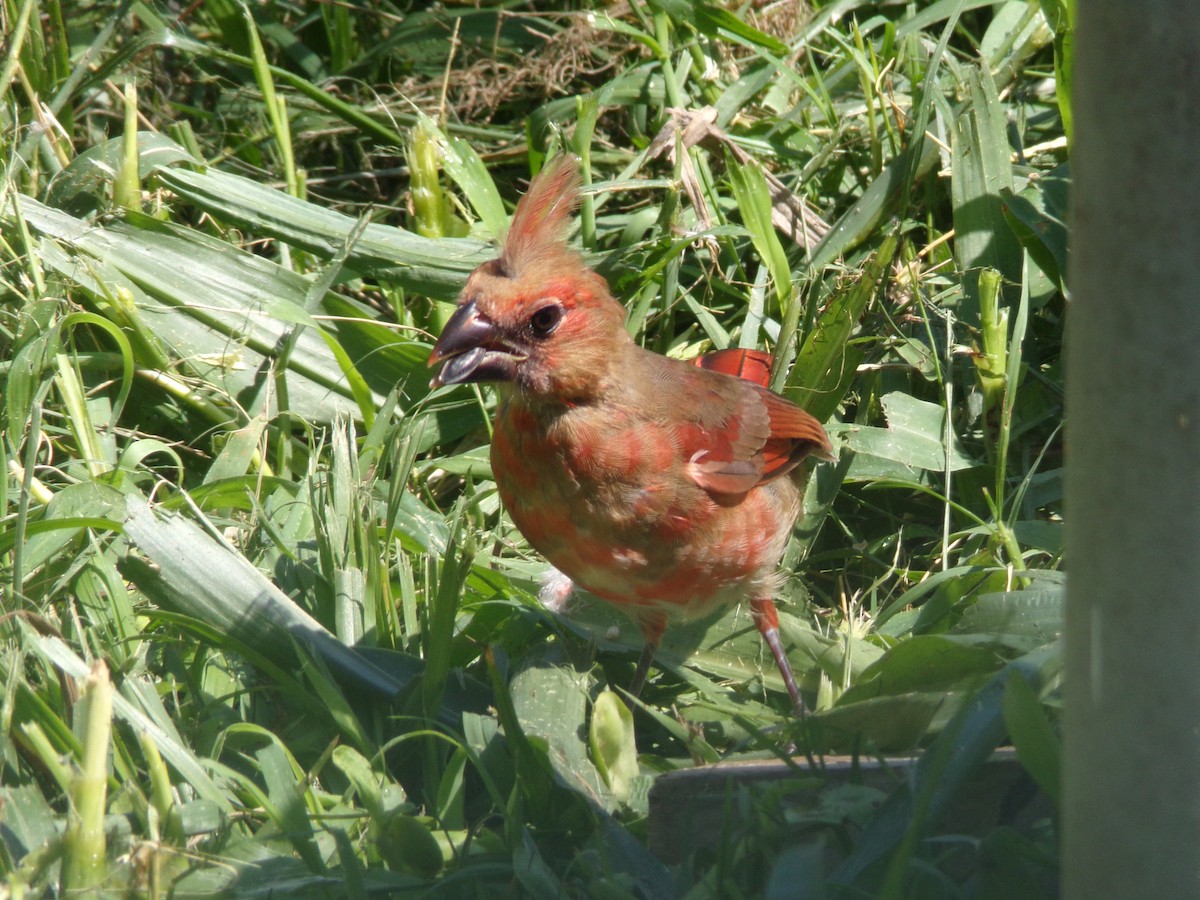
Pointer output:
751, 365
731, 432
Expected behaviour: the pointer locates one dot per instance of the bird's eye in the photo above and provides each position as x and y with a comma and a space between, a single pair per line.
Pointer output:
545, 320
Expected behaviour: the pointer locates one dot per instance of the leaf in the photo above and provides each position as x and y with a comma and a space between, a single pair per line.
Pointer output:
532, 871
1061, 16
980, 171
1038, 217
209, 581
467, 170
715, 21
83, 188
1033, 736
754, 203
222, 310
70, 511
1013, 25
1023, 620
441, 612
364, 779
551, 703
950, 591
534, 773
29, 821
870, 211
915, 436
826, 361
892, 723
436, 268
286, 788
924, 662
417, 850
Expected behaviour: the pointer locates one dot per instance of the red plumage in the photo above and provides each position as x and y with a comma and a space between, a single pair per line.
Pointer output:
662, 487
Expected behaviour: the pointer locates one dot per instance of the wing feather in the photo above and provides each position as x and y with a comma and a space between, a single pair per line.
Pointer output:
746, 434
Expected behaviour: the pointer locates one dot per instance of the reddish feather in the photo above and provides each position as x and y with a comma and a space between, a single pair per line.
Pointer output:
794, 433
535, 236
751, 365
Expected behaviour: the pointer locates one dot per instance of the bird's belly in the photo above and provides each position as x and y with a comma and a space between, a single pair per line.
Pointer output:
647, 546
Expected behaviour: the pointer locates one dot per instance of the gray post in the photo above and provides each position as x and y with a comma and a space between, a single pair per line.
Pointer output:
1132, 721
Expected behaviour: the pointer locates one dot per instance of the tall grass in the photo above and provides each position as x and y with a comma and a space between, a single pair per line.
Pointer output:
265, 624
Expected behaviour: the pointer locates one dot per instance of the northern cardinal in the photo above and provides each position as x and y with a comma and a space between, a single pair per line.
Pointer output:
665, 488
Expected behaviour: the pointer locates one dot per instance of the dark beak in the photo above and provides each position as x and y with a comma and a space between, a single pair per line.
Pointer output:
472, 349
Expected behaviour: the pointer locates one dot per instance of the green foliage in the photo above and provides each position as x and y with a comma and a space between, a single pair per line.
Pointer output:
227, 483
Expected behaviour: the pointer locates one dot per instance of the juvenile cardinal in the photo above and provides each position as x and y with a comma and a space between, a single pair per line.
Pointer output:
665, 488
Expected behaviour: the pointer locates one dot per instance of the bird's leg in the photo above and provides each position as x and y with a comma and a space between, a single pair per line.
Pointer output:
652, 630
766, 618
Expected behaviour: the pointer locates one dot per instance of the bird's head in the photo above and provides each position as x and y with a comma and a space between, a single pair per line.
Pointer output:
536, 316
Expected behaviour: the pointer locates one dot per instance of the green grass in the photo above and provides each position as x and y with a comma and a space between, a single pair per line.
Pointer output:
264, 621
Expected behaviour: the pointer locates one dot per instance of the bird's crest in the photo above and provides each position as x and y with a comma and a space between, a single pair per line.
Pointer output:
536, 234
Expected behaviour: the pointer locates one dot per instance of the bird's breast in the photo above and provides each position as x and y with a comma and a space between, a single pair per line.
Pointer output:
606, 500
